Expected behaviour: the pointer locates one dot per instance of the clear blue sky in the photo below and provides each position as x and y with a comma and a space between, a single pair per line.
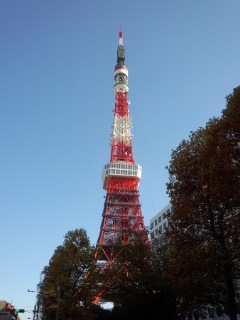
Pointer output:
56, 102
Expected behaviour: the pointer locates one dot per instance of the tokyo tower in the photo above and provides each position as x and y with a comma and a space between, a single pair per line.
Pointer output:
121, 176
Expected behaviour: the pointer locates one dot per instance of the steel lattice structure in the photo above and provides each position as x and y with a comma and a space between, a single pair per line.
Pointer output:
121, 176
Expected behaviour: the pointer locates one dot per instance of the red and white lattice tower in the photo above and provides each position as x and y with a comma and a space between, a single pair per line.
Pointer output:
121, 176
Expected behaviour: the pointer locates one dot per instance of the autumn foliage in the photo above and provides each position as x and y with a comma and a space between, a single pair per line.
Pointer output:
204, 187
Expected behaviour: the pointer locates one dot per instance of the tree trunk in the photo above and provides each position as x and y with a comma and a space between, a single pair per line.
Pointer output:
231, 294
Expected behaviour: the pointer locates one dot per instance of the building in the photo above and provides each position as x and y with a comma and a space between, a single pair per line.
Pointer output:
160, 221
7, 311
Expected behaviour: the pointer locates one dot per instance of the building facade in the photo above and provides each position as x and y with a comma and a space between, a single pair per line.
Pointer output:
7, 311
160, 222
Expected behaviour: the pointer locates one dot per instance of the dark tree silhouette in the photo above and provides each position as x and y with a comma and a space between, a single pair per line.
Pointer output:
204, 187
58, 291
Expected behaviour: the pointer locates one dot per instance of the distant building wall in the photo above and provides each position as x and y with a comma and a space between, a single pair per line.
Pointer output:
160, 221
7, 311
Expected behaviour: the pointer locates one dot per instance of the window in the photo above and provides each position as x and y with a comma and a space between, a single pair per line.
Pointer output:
156, 231
164, 225
152, 235
155, 222
159, 219
151, 226
160, 229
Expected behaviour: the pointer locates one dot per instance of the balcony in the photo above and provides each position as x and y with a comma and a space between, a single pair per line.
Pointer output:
121, 169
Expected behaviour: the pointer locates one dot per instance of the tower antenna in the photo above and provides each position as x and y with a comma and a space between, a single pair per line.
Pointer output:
120, 33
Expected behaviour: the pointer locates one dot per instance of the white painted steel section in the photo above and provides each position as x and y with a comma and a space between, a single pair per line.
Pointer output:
122, 169
121, 87
124, 71
120, 42
122, 129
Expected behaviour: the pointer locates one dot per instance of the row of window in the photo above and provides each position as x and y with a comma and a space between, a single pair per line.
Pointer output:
161, 228
121, 172
132, 170
118, 166
163, 216
158, 230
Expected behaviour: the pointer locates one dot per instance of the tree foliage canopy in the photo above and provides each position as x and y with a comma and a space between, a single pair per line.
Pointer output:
62, 278
137, 281
204, 187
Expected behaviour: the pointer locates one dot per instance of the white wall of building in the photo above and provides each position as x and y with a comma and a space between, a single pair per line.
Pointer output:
160, 221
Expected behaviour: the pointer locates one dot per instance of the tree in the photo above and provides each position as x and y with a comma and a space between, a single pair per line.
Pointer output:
58, 292
137, 281
204, 187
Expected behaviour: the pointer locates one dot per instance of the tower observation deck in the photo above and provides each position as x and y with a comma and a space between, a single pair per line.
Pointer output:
121, 176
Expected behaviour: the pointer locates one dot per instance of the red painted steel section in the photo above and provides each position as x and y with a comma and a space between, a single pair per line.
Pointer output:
121, 105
